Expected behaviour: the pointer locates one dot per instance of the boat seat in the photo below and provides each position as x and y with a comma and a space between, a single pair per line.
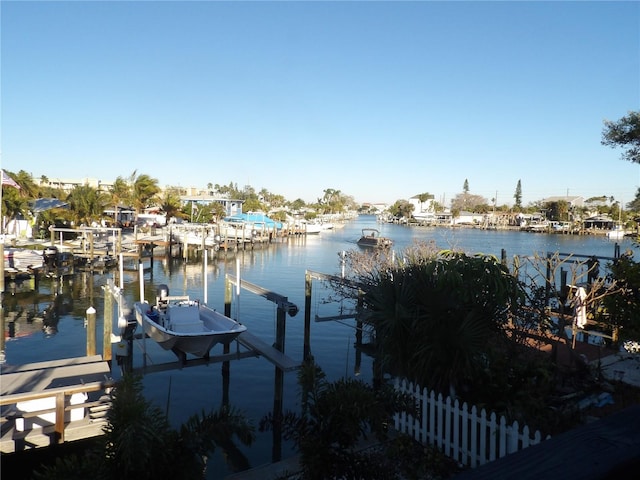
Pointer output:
185, 318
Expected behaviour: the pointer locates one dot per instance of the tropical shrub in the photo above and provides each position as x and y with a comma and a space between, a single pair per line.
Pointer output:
621, 310
433, 318
335, 418
138, 442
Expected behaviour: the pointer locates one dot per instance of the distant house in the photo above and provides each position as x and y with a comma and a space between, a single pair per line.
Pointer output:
426, 207
468, 218
125, 215
528, 219
231, 206
575, 201
375, 207
68, 184
601, 222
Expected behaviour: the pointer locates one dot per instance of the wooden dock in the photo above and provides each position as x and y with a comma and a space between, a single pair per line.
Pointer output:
608, 448
275, 356
52, 402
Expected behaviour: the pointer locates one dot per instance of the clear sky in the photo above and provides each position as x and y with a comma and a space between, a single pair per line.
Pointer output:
380, 100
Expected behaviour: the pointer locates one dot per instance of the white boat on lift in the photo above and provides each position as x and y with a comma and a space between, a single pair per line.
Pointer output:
617, 233
185, 326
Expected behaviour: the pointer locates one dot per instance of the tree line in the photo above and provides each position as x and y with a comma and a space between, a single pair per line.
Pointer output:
86, 204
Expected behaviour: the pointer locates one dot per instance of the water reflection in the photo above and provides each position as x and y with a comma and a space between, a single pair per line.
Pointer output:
38, 311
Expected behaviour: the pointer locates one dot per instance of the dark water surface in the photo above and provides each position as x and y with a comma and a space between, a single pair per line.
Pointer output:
279, 268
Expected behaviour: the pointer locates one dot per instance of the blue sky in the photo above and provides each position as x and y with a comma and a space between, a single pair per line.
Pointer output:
380, 100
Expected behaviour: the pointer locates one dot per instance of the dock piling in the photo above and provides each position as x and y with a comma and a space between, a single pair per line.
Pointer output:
91, 331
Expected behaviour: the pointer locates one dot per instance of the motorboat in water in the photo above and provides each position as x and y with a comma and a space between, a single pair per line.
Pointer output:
372, 238
185, 326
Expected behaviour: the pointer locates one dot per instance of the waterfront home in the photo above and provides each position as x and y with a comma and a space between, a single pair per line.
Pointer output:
599, 222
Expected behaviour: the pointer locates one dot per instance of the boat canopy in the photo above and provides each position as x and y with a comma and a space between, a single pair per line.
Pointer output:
254, 217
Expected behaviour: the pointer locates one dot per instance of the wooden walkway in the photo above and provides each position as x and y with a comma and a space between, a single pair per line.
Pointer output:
275, 356
52, 402
608, 448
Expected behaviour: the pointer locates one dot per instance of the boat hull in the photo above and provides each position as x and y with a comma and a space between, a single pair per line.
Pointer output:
616, 234
371, 239
195, 337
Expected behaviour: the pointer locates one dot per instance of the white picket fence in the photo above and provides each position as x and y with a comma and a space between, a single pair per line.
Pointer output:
463, 434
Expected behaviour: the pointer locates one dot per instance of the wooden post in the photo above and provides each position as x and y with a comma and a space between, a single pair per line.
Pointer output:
141, 279
228, 296
2, 273
118, 246
91, 331
276, 452
244, 230
59, 427
307, 316
2, 326
91, 251
107, 329
226, 366
358, 361
205, 258
280, 326
547, 290
108, 325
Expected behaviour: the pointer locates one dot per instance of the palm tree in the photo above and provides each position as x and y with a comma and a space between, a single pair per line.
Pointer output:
120, 192
252, 204
87, 204
14, 200
143, 190
170, 204
14, 204
331, 200
217, 211
27, 186
423, 197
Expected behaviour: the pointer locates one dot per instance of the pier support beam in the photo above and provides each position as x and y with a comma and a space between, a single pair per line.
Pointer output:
278, 388
91, 331
308, 282
108, 326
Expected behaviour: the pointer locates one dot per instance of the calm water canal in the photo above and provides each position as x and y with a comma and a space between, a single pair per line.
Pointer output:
280, 268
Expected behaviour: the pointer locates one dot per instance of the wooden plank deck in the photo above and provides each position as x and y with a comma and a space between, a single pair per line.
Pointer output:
29, 416
37, 377
155, 240
608, 448
6, 368
272, 354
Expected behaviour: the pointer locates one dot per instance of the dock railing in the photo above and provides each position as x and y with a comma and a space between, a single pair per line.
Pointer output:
62, 395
